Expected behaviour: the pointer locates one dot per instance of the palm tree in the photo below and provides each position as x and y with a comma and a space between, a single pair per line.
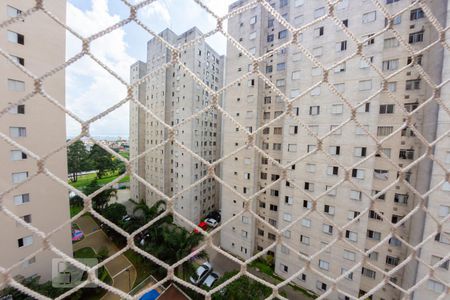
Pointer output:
148, 213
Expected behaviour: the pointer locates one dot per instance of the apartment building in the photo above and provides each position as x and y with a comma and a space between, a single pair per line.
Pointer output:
312, 199
38, 44
173, 96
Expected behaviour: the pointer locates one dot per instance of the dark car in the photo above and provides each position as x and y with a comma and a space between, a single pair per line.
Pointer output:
214, 215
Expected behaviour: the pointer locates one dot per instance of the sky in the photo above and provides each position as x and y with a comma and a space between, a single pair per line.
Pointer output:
89, 88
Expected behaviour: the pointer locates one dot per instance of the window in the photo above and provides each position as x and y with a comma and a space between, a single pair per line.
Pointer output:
309, 186
292, 147
318, 51
314, 110
21, 199
391, 43
365, 85
281, 66
298, 20
245, 220
444, 211
26, 218
16, 38
280, 83
393, 241
360, 151
337, 108
310, 148
321, 286
319, 12
298, 3
340, 68
282, 34
341, 46
328, 209
252, 35
375, 235
276, 146
355, 195
368, 273
386, 108
244, 234
287, 234
373, 215
287, 217
253, 20
349, 255
438, 260
12, 11
283, 3
273, 207
443, 238
307, 204
304, 239
435, 286
315, 91
324, 265
334, 150
384, 130
16, 85
328, 229
349, 276
18, 109
18, 155
270, 39
19, 177
319, 31
413, 84
332, 170
306, 223
416, 14
358, 173
390, 65
295, 75
369, 17
391, 1
25, 241
352, 236
19, 60
416, 37
406, 154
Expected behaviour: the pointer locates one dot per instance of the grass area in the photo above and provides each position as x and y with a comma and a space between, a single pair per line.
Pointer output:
85, 180
75, 209
142, 265
125, 154
266, 269
86, 252
103, 275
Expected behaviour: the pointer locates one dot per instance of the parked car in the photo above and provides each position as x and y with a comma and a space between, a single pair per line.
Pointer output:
211, 279
211, 222
201, 273
202, 225
214, 215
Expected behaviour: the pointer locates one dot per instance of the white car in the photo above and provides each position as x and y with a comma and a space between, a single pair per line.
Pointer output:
201, 273
211, 222
211, 279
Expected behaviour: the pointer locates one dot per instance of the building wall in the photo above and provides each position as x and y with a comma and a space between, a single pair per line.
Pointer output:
253, 104
174, 96
43, 49
437, 248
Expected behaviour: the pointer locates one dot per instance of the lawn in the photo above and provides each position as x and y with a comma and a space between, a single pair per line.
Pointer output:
144, 267
125, 154
84, 180
75, 209
103, 275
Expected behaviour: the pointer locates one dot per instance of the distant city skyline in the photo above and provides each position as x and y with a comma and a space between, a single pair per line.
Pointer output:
87, 81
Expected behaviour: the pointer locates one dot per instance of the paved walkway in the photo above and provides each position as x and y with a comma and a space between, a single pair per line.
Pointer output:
120, 269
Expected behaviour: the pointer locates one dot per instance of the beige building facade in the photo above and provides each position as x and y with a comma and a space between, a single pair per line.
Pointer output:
173, 96
315, 206
38, 44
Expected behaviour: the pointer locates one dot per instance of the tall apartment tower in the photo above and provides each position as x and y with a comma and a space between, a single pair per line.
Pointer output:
38, 44
316, 169
173, 96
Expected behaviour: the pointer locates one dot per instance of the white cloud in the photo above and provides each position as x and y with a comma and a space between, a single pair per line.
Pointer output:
90, 89
157, 9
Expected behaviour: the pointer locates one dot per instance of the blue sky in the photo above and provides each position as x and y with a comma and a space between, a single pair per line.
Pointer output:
90, 89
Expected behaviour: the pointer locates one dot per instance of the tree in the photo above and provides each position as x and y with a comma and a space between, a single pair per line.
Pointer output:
142, 210
243, 288
102, 160
115, 213
100, 201
77, 159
